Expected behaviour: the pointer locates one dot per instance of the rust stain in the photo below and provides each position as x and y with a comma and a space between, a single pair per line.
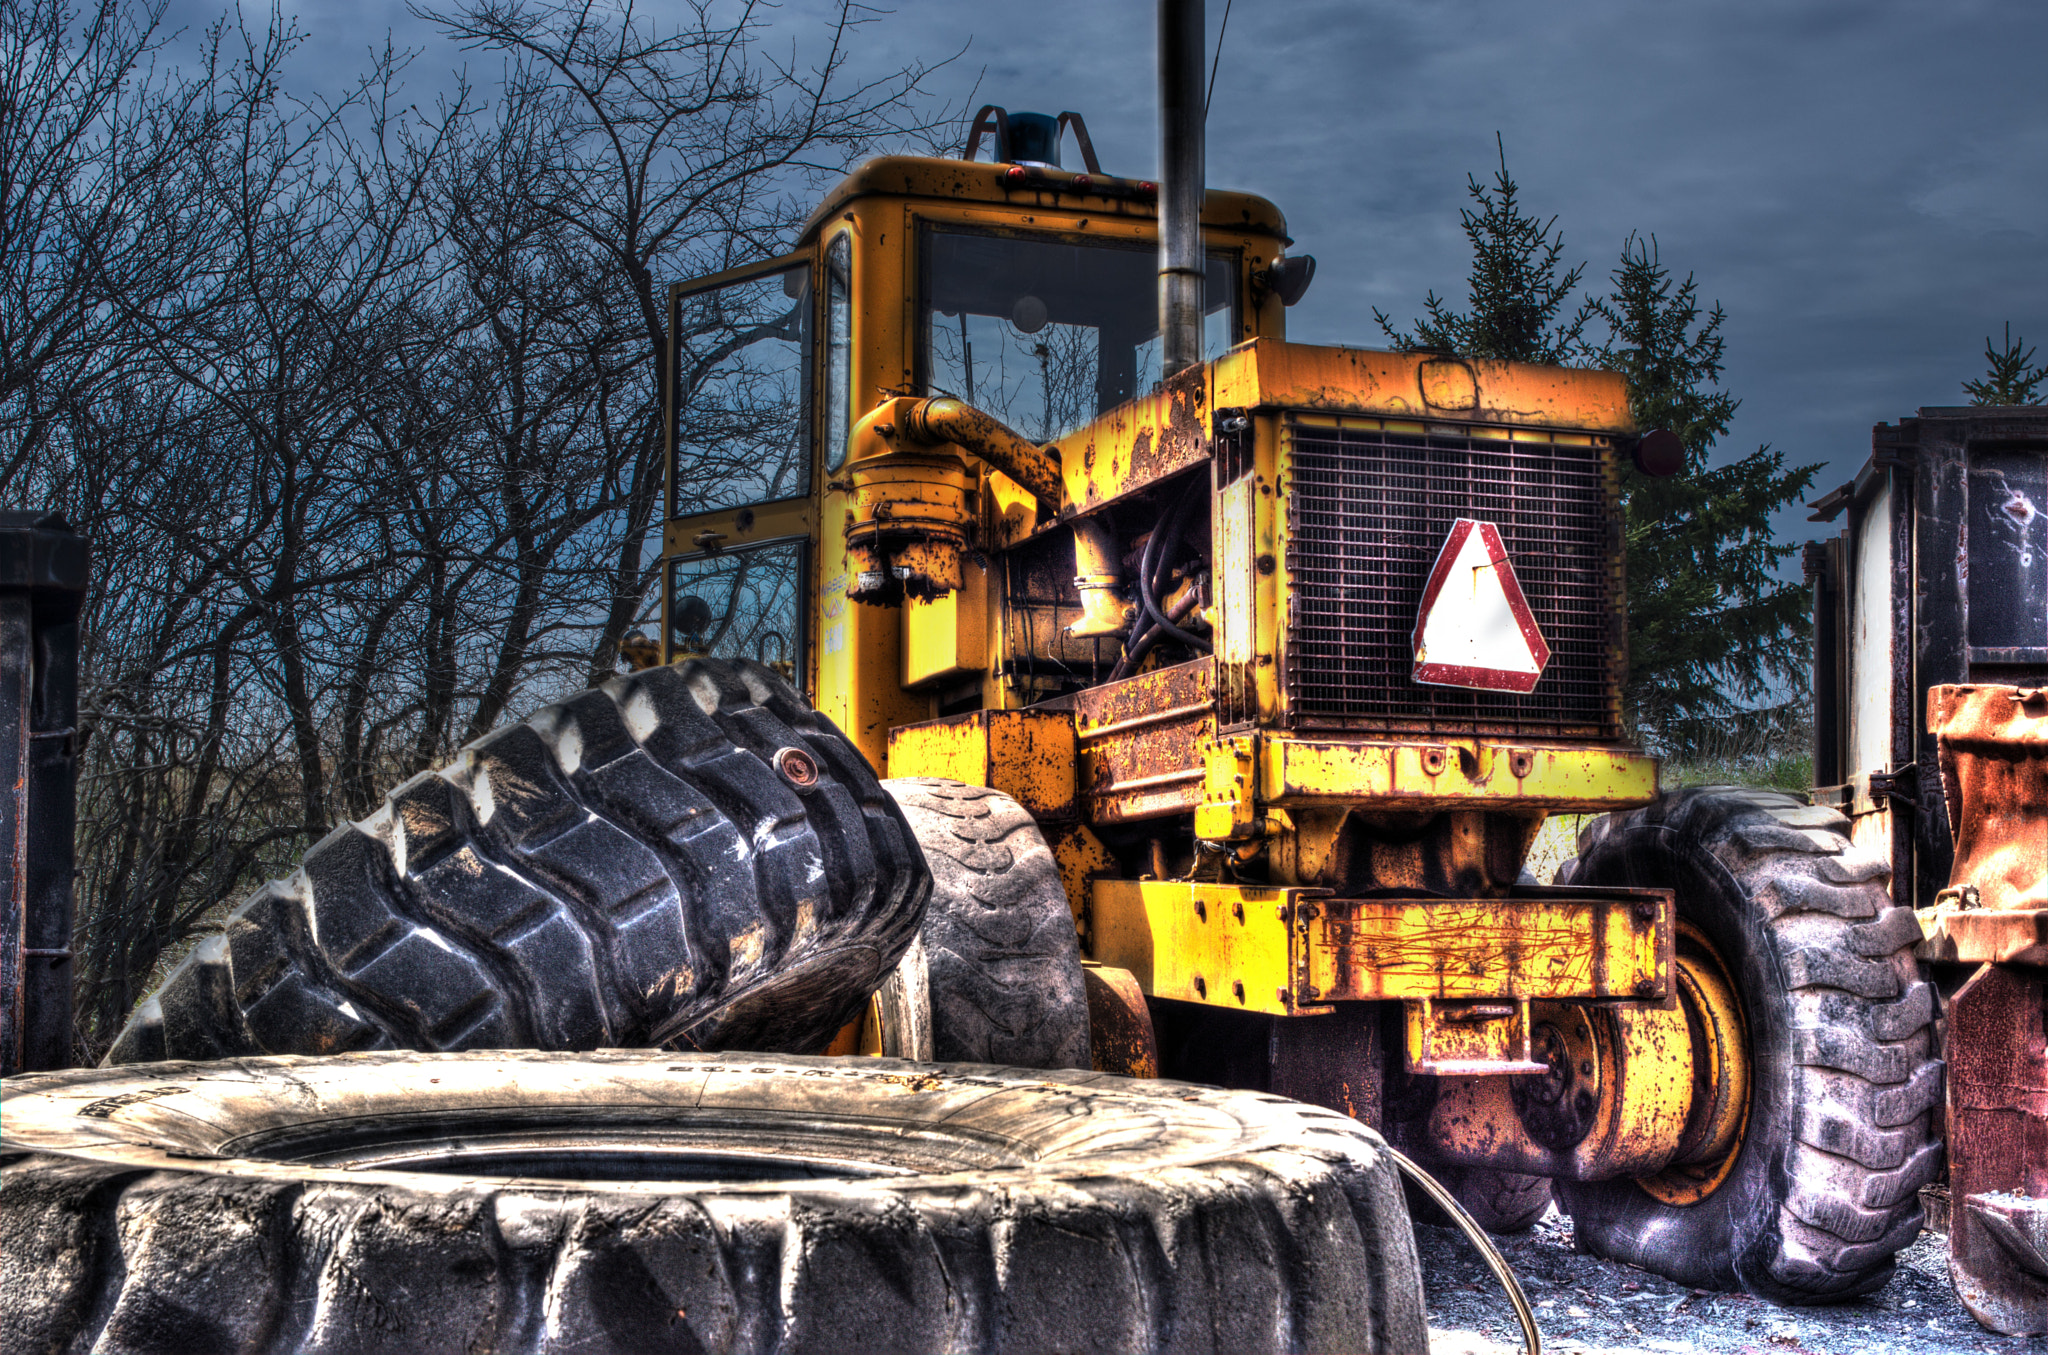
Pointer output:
1993, 743
1998, 1146
1993, 747
1120, 1035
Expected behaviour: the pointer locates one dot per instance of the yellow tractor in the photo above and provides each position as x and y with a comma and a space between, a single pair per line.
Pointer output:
1227, 682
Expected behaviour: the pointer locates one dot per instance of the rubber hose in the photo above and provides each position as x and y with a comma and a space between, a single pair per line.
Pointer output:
1148, 587
1498, 1264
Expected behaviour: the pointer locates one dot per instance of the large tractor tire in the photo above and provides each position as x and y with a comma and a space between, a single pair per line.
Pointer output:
644, 1203
1823, 1187
686, 856
996, 976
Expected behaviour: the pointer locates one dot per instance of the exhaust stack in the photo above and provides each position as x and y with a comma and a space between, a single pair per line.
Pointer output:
1181, 186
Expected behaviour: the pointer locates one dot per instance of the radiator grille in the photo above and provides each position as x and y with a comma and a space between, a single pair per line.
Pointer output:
1368, 511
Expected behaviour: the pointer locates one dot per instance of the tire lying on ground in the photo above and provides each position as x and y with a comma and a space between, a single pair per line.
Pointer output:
996, 975
646, 1202
1824, 1187
687, 855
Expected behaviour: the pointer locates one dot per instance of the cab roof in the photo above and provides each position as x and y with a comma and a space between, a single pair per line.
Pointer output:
1035, 187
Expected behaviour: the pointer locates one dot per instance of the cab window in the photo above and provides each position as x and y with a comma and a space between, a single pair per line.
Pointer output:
737, 393
1045, 333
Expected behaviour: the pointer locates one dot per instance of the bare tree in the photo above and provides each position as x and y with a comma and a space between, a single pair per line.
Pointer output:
360, 402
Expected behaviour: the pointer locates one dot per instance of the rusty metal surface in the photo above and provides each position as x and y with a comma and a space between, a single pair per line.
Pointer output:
1334, 1060
1981, 936
1028, 755
1274, 374
1614, 1101
1142, 740
1993, 743
1138, 444
1221, 945
43, 571
1120, 1035
1450, 771
1998, 1145
942, 420
1542, 943
1466, 1038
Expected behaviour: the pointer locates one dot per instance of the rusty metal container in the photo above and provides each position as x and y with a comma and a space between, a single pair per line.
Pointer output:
43, 566
1993, 751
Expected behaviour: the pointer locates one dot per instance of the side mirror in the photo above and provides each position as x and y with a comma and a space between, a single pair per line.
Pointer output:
1287, 279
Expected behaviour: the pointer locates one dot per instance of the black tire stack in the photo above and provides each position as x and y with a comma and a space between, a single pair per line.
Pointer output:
687, 855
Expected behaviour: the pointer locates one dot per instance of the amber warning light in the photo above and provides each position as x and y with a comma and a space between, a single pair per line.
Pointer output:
1474, 628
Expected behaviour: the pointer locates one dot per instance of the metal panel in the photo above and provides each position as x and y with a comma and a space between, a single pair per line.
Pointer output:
2007, 547
1028, 755
1998, 1147
1225, 945
1308, 772
1541, 944
1369, 508
1142, 741
43, 570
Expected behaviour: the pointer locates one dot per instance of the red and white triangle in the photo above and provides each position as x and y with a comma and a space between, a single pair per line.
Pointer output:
1474, 628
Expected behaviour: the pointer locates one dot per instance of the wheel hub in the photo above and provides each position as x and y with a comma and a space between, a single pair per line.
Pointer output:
1720, 1076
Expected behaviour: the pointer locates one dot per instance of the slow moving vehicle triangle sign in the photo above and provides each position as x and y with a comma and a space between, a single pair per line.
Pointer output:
1474, 628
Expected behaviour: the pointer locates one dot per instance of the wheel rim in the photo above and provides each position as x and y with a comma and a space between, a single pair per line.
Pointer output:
1722, 1075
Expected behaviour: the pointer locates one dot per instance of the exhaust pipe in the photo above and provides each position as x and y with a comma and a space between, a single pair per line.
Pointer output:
1181, 189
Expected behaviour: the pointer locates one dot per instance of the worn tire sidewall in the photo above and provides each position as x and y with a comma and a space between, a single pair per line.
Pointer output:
1725, 1241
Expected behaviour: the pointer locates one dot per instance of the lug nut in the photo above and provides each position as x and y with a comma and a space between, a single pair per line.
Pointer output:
798, 768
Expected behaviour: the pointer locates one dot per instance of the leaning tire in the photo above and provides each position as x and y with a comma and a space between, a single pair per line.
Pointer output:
641, 1202
996, 977
687, 855
1824, 1187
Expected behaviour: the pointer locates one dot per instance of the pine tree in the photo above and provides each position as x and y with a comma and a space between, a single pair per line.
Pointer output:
1710, 623
1515, 291
2010, 378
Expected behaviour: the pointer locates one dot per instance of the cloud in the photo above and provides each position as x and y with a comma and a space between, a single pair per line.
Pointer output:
1863, 183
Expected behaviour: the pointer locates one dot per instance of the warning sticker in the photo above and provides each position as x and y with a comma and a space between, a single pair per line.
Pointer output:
1474, 628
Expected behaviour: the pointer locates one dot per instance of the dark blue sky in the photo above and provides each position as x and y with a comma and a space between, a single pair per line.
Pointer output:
1863, 185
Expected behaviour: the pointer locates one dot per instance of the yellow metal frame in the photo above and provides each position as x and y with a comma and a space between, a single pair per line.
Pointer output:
1285, 951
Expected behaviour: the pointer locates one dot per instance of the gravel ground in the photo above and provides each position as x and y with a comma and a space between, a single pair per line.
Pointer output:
1586, 1306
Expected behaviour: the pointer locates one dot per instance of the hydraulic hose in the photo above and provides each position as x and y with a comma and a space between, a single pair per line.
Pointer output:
1532, 1342
1152, 565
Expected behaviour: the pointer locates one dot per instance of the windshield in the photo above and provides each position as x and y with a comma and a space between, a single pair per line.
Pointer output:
1047, 334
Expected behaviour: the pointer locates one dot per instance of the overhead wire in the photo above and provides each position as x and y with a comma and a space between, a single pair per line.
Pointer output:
1216, 61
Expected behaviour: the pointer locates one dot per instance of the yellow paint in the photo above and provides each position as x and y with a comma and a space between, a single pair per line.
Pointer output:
1453, 773
1082, 860
1028, 755
1457, 1039
1339, 381
946, 638
1563, 946
1227, 945
1227, 811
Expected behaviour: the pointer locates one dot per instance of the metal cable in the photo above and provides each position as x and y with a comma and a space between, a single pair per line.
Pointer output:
1498, 1264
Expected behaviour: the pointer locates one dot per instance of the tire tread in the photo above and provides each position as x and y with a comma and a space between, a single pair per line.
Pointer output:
625, 867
